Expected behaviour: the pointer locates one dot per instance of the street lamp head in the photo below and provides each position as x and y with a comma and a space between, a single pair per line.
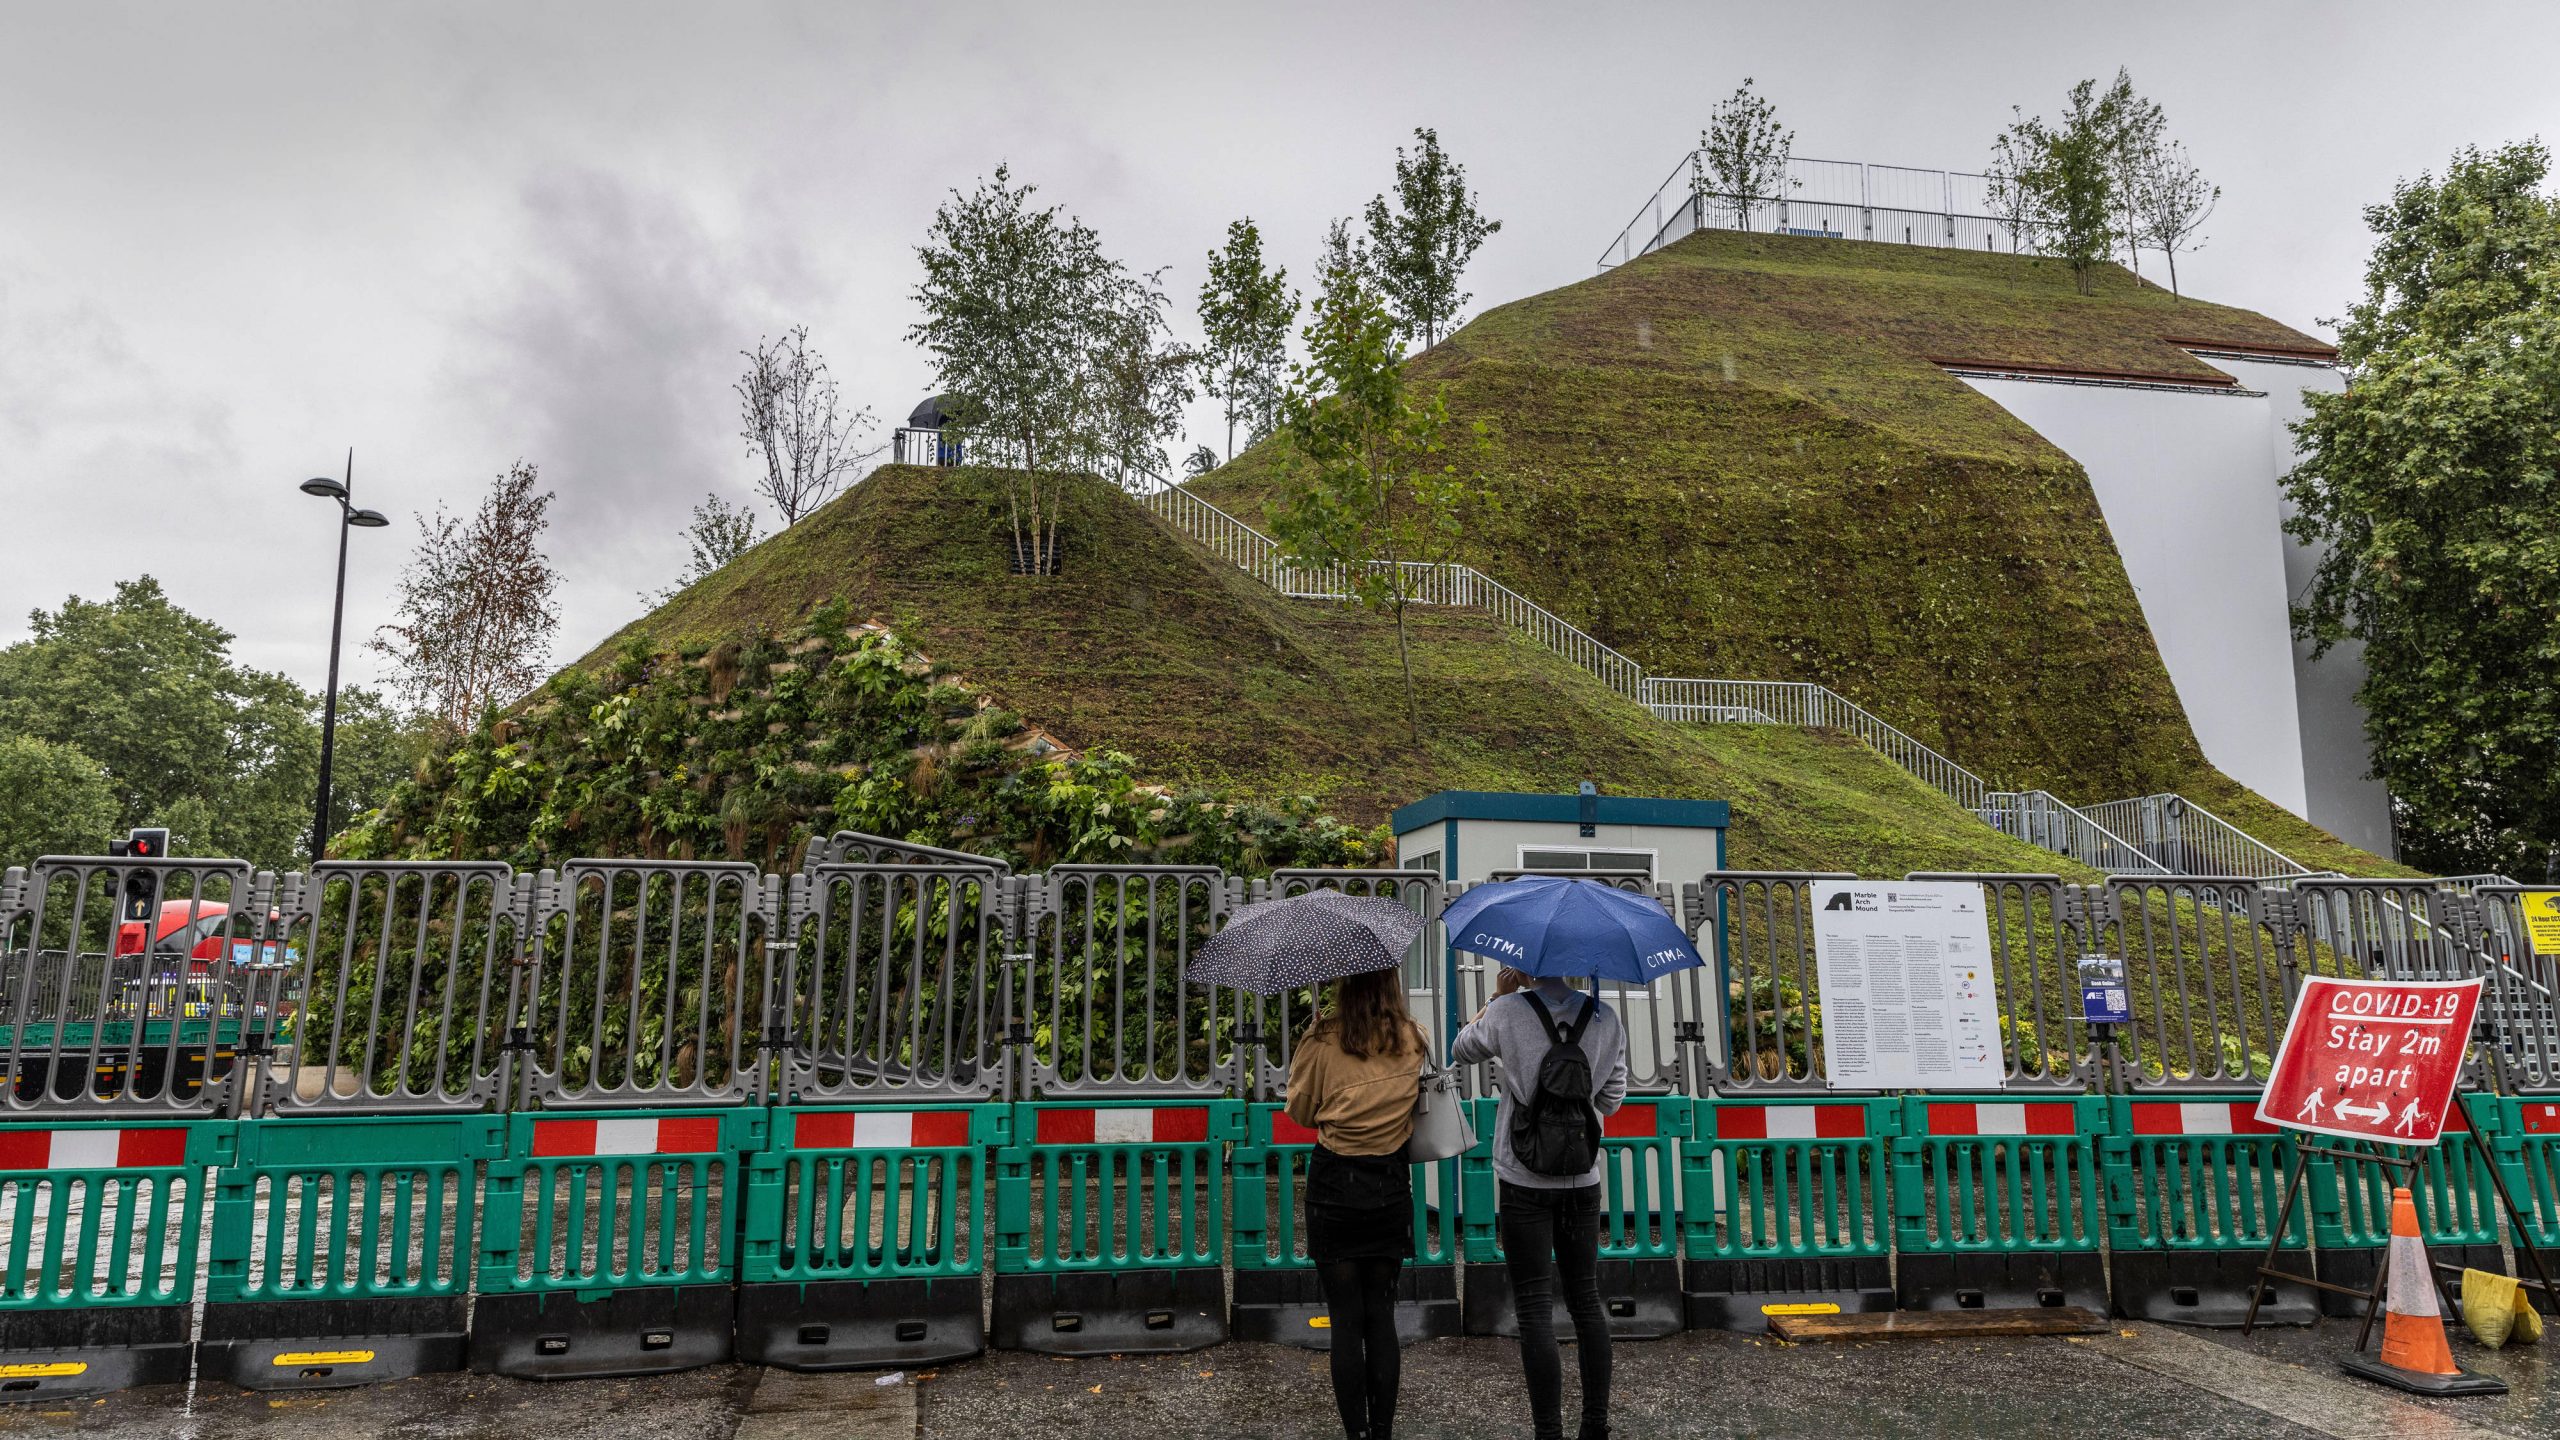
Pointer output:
324, 487
367, 519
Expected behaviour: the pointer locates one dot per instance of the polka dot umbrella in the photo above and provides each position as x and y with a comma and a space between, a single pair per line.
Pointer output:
1282, 945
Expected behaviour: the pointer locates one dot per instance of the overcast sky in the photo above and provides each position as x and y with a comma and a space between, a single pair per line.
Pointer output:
236, 240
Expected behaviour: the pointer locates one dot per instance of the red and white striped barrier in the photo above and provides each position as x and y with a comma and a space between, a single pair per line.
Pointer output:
675, 1135
1789, 1122
880, 1130
1994, 1118
1187, 1125
2199, 1117
91, 1149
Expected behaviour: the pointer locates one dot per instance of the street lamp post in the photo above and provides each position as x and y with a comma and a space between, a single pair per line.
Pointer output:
349, 517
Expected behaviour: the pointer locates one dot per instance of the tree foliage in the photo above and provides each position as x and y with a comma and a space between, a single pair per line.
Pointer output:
796, 423
476, 607
720, 533
2137, 130
2172, 200
1053, 354
1419, 246
1245, 311
1743, 153
53, 801
2433, 481
1366, 484
2059, 180
140, 691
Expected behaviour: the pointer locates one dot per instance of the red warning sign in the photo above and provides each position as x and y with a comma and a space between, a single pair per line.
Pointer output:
2371, 1059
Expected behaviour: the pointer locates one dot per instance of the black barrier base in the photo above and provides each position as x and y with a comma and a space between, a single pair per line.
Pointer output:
644, 1330
57, 1354
1124, 1312
1282, 1307
861, 1324
1642, 1297
2356, 1266
2418, 1382
2208, 1288
331, 1344
2002, 1280
1741, 1294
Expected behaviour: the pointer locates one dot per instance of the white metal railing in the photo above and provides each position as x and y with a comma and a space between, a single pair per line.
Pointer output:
2191, 840
2035, 816
1837, 199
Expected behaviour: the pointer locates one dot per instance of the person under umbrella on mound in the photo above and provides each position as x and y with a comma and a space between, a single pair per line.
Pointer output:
1354, 1078
1563, 1059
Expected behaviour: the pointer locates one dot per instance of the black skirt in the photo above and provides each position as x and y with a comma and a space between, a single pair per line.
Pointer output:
1359, 1207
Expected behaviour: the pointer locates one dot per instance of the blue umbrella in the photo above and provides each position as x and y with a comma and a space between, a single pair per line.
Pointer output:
1549, 925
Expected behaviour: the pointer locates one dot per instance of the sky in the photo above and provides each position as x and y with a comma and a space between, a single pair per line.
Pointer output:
238, 240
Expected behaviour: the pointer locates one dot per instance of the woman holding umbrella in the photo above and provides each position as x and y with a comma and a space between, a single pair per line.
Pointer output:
1354, 1078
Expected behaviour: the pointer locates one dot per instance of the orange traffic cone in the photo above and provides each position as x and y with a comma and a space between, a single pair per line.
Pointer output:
2415, 1356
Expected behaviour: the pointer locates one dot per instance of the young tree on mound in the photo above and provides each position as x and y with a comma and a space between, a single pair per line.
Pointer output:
2434, 481
1246, 312
476, 605
2172, 200
720, 533
2137, 130
1051, 353
1743, 153
1366, 485
2058, 180
1418, 249
796, 423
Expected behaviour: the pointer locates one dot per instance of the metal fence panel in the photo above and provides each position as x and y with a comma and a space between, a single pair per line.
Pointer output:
394, 983
2206, 981
2518, 1000
1104, 1000
644, 977
1769, 992
895, 983
128, 986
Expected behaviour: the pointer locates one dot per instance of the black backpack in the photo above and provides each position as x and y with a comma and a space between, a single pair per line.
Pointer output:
1557, 1132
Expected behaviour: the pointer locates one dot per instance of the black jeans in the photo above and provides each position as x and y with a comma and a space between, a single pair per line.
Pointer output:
1360, 1297
1546, 1234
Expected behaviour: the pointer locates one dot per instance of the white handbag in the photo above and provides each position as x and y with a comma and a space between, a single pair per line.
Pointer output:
1441, 1129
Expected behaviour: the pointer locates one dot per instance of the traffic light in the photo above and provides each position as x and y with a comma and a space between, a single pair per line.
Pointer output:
141, 844
141, 887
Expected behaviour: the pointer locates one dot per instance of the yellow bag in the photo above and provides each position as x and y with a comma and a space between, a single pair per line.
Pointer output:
2495, 1309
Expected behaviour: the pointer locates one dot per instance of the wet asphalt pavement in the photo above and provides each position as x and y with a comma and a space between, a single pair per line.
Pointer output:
2135, 1382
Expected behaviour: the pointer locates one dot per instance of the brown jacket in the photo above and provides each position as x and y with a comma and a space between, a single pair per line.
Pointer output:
1357, 1107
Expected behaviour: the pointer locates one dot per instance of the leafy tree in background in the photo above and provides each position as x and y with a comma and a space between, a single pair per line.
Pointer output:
1048, 349
148, 696
796, 423
2136, 131
476, 605
1246, 312
720, 533
2433, 481
2059, 180
1743, 153
1365, 484
1420, 246
53, 801
2172, 200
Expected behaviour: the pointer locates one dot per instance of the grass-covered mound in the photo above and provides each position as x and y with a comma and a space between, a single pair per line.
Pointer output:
742, 716
1737, 458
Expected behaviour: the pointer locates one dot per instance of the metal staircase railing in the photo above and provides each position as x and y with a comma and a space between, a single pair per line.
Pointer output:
2151, 834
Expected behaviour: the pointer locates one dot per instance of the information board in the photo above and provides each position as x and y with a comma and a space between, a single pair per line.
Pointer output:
2371, 1059
1908, 997
2541, 909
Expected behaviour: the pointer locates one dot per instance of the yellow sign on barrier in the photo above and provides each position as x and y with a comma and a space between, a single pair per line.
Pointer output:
1806, 1307
48, 1371
325, 1357
2541, 920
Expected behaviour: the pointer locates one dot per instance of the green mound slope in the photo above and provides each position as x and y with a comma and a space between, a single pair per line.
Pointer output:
1149, 646
1736, 458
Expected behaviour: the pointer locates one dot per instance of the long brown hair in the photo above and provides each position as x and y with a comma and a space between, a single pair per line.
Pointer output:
1368, 1017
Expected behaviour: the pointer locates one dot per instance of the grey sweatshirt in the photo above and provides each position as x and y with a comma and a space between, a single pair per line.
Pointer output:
1510, 1034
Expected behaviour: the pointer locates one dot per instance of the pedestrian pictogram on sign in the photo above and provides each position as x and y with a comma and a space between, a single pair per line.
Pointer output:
2371, 1059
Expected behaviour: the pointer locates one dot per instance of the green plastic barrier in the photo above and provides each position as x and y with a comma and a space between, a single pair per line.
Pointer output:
1787, 1208
99, 1222
1639, 1223
1998, 1203
343, 1249
2194, 1186
1276, 1296
2457, 1201
1111, 1226
863, 1236
2528, 1147
607, 1245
